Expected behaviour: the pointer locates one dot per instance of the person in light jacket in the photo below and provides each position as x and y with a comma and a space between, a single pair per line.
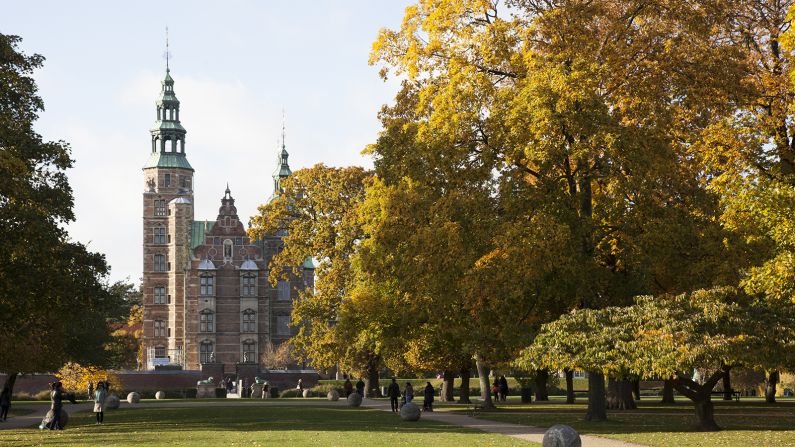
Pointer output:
99, 402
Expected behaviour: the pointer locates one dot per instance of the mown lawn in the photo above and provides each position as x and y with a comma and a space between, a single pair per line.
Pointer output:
750, 423
253, 426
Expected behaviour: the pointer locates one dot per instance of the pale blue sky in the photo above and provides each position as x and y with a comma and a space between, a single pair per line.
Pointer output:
235, 65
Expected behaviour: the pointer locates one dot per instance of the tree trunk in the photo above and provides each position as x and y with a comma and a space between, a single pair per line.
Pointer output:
569, 386
542, 377
597, 407
485, 387
371, 388
668, 392
619, 395
705, 415
727, 384
770, 386
447, 387
636, 389
10, 381
465, 375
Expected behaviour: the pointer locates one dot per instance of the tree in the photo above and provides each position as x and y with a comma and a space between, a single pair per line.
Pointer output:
317, 212
668, 337
578, 117
54, 305
76, 377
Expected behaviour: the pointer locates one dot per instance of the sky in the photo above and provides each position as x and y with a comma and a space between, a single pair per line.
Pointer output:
236, 65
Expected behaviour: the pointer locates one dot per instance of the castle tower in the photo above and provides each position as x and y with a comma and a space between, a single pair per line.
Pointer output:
282, 168
167, 221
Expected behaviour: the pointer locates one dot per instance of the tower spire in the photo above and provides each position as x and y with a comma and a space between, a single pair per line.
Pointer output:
167, 55
283, 131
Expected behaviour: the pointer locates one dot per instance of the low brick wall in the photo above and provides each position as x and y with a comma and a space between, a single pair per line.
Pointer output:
30, 384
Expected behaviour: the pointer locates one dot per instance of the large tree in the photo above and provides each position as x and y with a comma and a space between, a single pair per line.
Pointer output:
577, 117
670, 337
54, 302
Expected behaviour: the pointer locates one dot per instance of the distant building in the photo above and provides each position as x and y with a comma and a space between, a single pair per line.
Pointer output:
205, 283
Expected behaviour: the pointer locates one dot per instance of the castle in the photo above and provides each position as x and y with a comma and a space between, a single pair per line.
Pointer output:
206, 295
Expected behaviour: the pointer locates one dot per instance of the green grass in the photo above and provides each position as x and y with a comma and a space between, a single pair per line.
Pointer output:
252, 426
749, 423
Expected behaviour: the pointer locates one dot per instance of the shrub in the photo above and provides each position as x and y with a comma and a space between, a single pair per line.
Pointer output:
292, 392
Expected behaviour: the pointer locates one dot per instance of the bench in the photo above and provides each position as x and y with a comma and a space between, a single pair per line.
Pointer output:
735, 394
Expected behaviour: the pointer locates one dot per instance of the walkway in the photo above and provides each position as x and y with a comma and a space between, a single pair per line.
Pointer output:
523, 432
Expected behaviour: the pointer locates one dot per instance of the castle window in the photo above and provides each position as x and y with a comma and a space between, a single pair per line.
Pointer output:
167, 180
160, 263
249, 321
249, 351
160, 328
206, 352
228, 248
183, 181
160, 352
160, 207
160, 235
207, 285
284, 290
206, 320
160, 295
248, 285
283, 325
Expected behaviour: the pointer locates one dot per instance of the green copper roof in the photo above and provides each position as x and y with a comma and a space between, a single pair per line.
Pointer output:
164, 160
308, 264
168, 125
200, 228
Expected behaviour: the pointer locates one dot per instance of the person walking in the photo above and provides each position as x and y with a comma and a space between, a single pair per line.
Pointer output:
495, 389
408, 393
5, 403
300, 387
360, 387
394, 393
90, 394
427, 403
99, 402
348, 387
56, 404
503, 388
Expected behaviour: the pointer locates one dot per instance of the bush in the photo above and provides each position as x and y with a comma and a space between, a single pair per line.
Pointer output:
323, 389
292, 392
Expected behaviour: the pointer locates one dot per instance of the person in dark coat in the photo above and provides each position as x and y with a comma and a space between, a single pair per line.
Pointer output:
394, 393
427, 394
360, 387
56, 404
348, 387
503, 388
5, 403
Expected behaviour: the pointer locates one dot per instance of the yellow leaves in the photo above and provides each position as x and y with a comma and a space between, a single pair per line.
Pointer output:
75, 377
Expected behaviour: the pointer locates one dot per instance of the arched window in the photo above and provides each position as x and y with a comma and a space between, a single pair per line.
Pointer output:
206, 321
249, 351
249, 321
228, 248
207, 285
206, 353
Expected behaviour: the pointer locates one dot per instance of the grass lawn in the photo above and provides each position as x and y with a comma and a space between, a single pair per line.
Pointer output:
749, 423
252, 426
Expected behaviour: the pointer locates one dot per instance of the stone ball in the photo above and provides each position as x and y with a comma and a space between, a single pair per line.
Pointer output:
160, 395
50, 415
410, 412
333, 396
561, 436
307, 393
354, 400
112, 402
133, 398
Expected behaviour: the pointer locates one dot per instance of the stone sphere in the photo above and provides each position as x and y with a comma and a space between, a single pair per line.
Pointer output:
410, 412
354, 400
561, 436
333, 396
160, 395
307, 393
112, 402
133, 398
48, 418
